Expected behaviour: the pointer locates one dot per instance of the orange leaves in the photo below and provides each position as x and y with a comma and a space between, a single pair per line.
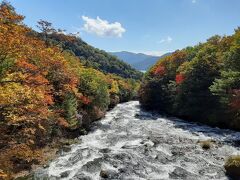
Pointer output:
33, 75
27, 67
7, 16
62, 122
85, 100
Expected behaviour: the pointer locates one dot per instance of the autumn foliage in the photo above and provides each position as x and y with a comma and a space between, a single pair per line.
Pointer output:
45, 92
179, 78
200, 83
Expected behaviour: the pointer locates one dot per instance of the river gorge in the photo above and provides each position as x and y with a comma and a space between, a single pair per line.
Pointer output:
130, 143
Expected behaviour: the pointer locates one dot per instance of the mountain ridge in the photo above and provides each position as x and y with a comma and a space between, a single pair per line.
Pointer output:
139, 61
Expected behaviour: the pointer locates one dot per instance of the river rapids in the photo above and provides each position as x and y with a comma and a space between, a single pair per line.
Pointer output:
130, 143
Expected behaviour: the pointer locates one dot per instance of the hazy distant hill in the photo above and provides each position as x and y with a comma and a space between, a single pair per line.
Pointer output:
139, 61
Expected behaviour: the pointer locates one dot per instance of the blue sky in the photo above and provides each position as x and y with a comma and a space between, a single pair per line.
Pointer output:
148, 26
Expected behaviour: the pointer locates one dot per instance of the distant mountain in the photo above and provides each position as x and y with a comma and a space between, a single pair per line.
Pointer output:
139, 61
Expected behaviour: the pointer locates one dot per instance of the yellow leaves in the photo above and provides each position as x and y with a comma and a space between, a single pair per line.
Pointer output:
12, 93
22, 102
24, 152
114, 87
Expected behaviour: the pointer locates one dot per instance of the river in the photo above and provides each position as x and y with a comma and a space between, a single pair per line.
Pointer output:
130, 143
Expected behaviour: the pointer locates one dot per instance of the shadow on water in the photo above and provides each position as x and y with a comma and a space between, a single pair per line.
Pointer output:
224, 135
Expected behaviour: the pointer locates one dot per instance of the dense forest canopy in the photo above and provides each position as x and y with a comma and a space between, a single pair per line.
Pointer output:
90, 56
46, 92
200, 83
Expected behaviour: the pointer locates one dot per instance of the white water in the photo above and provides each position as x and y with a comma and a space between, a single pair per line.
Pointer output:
132, 144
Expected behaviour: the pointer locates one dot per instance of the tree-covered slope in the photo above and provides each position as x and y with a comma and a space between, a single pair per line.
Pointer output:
93, 57
200, 83
46, 94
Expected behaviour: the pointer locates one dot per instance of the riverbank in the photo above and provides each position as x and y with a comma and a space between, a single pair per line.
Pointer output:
42, 156
49, 153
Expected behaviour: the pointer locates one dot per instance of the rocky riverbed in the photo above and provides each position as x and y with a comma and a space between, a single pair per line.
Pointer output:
130, 143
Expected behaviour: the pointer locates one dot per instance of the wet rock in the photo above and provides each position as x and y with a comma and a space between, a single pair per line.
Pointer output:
180, 173
177, 152
108, 174
66, 148
105, 150
122, 170
137, 115
40, 172
206, 145
75, 158
65, 174
162, 158
81, 176
93, 166
210, 170
104, 174
45, 165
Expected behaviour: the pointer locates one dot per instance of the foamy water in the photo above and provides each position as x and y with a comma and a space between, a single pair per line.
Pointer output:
130, 143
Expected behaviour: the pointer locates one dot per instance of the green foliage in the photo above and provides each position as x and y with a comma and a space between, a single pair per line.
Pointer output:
70, 106
5, 65
229, 80
199, 83
93, 57
94, 86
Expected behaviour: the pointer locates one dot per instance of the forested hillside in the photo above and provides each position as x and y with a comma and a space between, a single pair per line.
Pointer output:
200, 83
46, 93
90, 56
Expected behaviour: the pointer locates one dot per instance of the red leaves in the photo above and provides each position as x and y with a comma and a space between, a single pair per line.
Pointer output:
160, 70
85, 100
179, 78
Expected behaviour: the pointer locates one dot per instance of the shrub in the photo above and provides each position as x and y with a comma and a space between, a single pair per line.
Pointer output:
232, 166
207, 144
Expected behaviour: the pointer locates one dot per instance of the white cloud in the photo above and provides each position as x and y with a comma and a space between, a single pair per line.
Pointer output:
166, 40
102, 27
194, 1
161, 41
154, 53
